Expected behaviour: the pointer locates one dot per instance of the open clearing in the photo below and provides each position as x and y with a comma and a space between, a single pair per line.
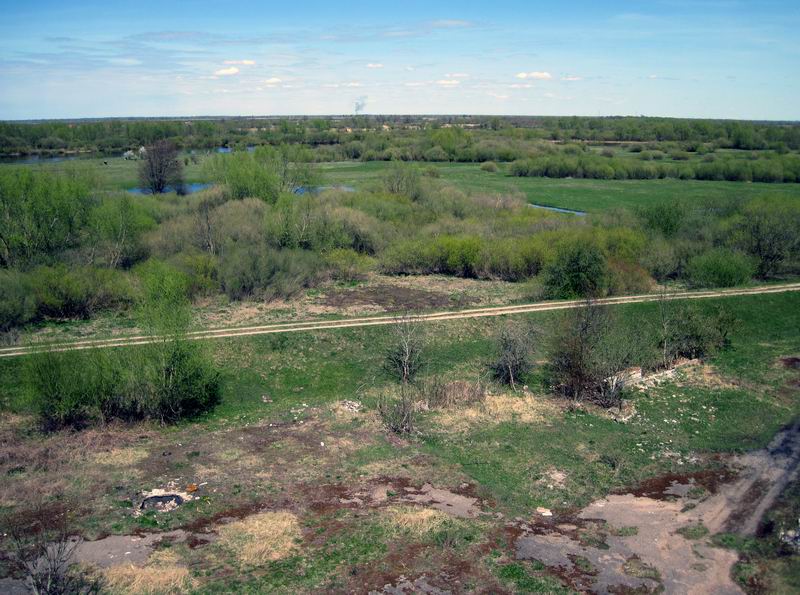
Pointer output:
297, 452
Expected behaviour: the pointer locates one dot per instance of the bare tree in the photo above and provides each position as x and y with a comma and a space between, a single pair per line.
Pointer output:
161, 167
43, 550
514, 347
666, 323
404, 355
399, 414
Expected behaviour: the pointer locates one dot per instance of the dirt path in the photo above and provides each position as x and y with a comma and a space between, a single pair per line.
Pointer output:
293, 327
629, 541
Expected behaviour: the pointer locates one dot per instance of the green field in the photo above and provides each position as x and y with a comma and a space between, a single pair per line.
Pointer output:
567, 193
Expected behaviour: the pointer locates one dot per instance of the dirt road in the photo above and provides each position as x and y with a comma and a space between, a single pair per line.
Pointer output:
313, 325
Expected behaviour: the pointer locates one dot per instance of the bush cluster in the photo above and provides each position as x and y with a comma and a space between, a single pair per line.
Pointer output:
167, 382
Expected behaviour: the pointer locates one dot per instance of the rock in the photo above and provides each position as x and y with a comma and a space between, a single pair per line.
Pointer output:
544, 511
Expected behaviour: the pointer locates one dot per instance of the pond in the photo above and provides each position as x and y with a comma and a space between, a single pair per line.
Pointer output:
186, 189
558, 210
318, 189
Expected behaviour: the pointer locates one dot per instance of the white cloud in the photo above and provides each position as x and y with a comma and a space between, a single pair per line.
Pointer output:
450, 23
457, 75
374, 65
448, 82
125, 61
272, 81
653, 76
414, 84
497, 95
539, 76
241, 62
352, 84
227, 71
521, 86
570, 78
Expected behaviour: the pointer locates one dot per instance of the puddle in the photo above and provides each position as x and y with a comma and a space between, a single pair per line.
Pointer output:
161, 503
183, 189
558, 210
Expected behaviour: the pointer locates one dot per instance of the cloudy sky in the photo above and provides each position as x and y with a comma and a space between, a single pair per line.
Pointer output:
695, 58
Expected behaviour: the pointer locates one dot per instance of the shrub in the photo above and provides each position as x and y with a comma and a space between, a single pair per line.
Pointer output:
435, 393
260, 271
398, 413
404, 356
201, 272
348, 265
720, 267
41, 545
689, 332
69, 389
167, 380
626, 278
489, 166
660, 259
78, 292
177, 380
589, 349
403, 179
513, 358
245, 176
17, 305
664, 217
579, 270
770, 232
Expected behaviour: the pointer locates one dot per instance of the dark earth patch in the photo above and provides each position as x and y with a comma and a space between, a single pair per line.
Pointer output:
395, 299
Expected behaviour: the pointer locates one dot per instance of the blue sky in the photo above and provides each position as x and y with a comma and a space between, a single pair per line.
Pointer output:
692, 58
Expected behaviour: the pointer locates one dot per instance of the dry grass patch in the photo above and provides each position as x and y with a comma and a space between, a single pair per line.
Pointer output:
262, 537
526, 409
706, 376
414, 520
121, 457
163, 574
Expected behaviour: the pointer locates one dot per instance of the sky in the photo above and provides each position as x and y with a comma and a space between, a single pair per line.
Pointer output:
681, 58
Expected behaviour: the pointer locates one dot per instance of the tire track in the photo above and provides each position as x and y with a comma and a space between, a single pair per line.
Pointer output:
292, 327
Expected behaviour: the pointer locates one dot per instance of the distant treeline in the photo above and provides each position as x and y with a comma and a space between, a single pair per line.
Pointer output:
759, 168
369, 137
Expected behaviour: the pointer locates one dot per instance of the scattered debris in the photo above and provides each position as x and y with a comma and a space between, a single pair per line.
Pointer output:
164, 500
351, 406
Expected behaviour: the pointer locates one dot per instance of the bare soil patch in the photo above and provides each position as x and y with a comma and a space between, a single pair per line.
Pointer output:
394, 298
661, 553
